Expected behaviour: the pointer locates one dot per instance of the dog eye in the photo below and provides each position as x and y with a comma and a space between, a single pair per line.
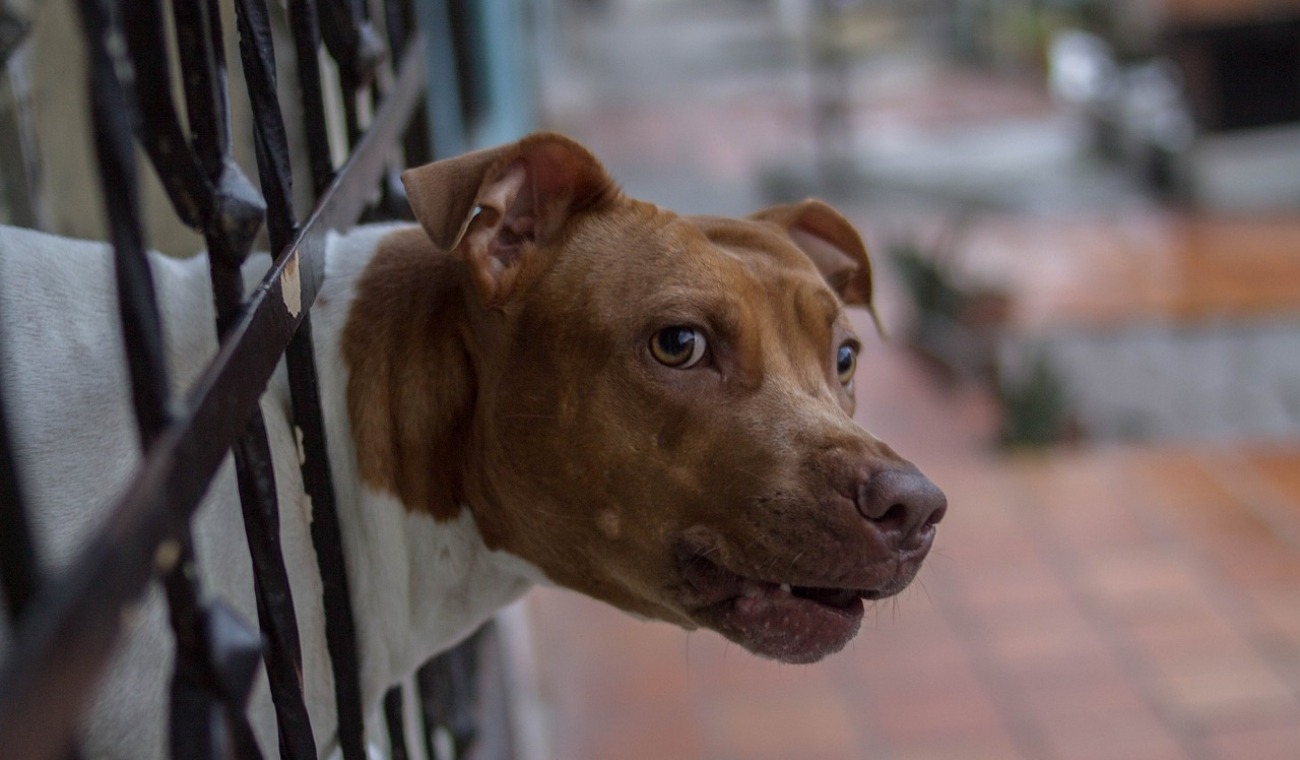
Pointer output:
846, 361
678, 347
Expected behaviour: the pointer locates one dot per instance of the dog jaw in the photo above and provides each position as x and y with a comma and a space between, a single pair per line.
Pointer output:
784, 611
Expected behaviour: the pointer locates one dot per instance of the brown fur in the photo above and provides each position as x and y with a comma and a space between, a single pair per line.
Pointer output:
411, 390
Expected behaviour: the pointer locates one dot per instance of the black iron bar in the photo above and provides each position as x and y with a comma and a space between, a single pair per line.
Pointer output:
235, 651
271, 584
351, 40
417, 144
304, 22
395, 722
327, 537
110, 78
272, 152
69, 629
159, 126
20, 569
195, 730
272, 144
358, 50
397, 24
199, 44
352, 113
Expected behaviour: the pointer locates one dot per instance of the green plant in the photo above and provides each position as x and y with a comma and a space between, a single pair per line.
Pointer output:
1035, 407
958, 322
929, 280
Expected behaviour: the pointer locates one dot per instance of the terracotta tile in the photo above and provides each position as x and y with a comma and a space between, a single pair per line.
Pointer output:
1277, 610
1080, 497
637, 734
1135, 744
1198, 649
1222, 685
758, 686
1185, 606
1280, 466
1250, 560
1206, 665
1141, 267
905, 685
1173, 626
1003, 586
898, 656
777, 727
1094, 664
1032, 636
944, 708
1271, 742
1178, 480
1136, 579
1239, 538
1102, 691
985, 743
962, 550
1119, 736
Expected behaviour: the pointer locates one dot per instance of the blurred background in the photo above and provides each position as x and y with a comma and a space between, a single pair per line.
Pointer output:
1085, 218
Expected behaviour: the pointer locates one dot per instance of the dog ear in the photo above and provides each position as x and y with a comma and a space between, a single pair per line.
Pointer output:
833, 245
493, 208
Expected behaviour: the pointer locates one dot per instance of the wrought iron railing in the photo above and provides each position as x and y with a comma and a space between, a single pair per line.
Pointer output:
65, 631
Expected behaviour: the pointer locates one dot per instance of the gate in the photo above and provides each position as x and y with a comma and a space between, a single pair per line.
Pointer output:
64, 632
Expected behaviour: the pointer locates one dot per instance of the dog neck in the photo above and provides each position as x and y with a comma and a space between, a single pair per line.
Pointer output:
420, 575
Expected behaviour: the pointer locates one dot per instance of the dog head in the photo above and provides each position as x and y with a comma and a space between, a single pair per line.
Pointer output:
655, 410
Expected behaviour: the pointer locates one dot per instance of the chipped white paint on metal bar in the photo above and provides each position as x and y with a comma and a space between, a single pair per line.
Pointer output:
291, 287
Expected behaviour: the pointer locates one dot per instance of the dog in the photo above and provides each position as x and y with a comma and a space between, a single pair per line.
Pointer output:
543, 381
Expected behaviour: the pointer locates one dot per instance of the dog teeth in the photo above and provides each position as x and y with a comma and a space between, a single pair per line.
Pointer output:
785, 587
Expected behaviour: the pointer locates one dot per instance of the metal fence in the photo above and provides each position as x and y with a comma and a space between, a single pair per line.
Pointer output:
65, 631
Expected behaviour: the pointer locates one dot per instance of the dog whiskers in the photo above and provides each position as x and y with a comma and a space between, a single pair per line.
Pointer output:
925, 591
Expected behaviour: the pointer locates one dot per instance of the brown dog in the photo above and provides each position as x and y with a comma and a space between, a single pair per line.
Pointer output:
545, 381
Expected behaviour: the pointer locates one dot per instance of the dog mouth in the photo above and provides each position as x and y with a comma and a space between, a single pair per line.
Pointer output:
784, 621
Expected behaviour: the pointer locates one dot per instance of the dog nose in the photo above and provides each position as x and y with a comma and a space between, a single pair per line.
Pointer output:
901, 503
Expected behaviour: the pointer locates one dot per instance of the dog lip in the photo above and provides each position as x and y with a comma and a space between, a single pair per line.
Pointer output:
790, 622
776, 621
